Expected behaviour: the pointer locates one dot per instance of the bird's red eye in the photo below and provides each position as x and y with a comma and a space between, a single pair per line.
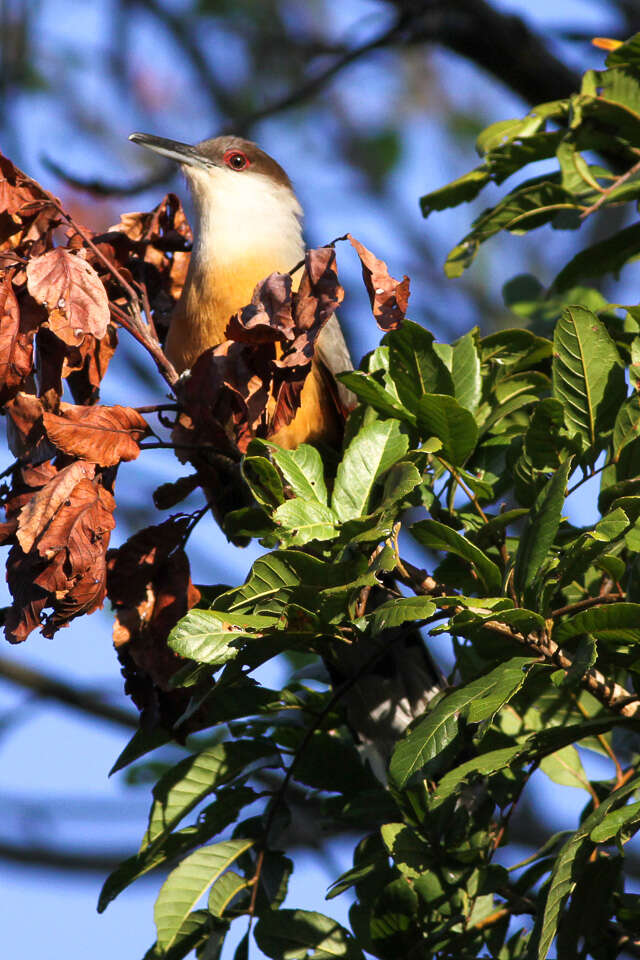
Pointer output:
236, 159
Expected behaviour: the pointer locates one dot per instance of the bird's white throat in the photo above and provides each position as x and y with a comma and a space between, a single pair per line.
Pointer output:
240, 215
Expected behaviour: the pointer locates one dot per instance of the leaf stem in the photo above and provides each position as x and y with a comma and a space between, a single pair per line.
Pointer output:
585, 604
586, 478
609, 190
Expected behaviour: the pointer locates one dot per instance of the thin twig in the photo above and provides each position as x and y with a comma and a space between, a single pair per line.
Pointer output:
603, 743
472, 497
211, 455
11, 468
156, 407
586, 478
133, 324
608, 190
610, 693
101, 188
585, 604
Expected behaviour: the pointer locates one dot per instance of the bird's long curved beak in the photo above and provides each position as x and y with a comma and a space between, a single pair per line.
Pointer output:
182, 153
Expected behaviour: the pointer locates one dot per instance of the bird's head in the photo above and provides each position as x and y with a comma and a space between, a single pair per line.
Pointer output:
240, 193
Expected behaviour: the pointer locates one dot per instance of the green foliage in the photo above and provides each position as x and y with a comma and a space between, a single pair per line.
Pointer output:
466, 454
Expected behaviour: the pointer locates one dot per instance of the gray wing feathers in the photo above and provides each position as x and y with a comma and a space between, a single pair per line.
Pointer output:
333, 352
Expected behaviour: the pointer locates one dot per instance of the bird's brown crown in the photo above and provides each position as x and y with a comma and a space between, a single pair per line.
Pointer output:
220, 150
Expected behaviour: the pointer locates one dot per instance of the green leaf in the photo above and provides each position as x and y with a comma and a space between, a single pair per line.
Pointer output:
437, 536
414, 366
514, 350
543, 443
504, 131
627, 53
528, 206
443, 417
540, 532
583, 659
564, 767
588, 374
436, 730
507, 159
576, 176
142, 742
535, 747
369, 391
194, 932
216, 817
304, 520
626, 819
185, 885
465, 370
264, 480
303, 935
284, 576
394, 613
332, 764
301, 468
409, 852
206, 637
606, 256
462, 190
627, 425
180, 789
372, 451
223, 891
613, 622
568, 866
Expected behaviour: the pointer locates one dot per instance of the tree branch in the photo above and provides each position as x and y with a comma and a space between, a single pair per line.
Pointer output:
47, 687
48, 858
610, 694
501, 43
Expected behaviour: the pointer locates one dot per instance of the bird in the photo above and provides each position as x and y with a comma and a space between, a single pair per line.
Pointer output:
248, 224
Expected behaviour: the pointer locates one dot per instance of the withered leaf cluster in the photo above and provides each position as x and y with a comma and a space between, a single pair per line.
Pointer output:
250, 385
64, 292
56, 337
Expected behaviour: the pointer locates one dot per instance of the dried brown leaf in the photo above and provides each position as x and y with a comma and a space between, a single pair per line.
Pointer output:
267, 319
389, 298
102, 435
72, 292
25, 432
167, 495
86, 365
16, 343
79, 526
150, 586
67, 571
38, 512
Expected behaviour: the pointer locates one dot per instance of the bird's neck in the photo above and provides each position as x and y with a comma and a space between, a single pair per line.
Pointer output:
241, 235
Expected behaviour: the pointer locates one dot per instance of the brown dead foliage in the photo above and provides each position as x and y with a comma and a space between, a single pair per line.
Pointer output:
28, 214
70, 290
250, 385
59, 522
149, 585
389, 298
102, 435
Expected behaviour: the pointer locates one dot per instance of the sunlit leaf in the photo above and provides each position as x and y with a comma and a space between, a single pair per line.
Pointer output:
185, 885
436, 730
588, 374
370, 453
